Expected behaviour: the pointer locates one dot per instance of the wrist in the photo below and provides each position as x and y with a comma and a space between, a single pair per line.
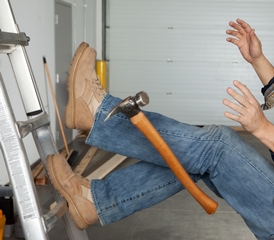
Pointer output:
263, 68
260, 133
265, 134
258, 61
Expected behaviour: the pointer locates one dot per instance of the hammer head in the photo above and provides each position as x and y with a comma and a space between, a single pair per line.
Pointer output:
130, 106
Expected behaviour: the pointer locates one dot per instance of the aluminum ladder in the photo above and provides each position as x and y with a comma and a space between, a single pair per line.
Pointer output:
35, 225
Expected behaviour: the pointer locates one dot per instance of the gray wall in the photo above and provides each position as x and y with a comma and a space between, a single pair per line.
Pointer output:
36, 19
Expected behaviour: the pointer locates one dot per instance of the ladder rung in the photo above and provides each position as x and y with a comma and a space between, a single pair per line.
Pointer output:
25, 127
56, 213
9, 41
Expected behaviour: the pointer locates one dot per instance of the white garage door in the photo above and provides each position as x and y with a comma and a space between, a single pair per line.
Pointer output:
177, 52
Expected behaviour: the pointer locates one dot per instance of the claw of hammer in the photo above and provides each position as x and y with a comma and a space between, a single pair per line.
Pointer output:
131, 108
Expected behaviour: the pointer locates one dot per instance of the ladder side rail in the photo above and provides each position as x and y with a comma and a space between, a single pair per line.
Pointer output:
19, 172
20, 63
33, 104
25, 81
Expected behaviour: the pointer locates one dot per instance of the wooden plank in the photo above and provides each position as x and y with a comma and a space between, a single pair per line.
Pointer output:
107, 167
85, 161
42, 178
37, 169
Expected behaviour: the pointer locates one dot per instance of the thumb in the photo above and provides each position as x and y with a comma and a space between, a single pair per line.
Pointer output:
253, 36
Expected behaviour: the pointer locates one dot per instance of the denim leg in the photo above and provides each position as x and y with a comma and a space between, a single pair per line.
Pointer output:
132, 189
238, 172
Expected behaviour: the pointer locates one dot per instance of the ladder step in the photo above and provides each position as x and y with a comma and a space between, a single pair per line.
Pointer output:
57, 212
25, 127
9, 41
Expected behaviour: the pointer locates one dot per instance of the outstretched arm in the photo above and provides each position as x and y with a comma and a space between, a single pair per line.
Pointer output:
249, 114
244, 37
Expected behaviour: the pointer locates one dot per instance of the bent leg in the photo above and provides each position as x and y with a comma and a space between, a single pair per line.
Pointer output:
239, 173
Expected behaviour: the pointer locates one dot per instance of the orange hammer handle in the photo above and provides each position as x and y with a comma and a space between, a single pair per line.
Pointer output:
145, 126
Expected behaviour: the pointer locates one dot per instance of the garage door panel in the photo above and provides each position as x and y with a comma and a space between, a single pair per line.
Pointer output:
177, 76
177, 52
205, 14
166, 45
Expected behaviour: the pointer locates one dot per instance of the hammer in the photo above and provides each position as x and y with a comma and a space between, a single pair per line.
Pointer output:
130, 106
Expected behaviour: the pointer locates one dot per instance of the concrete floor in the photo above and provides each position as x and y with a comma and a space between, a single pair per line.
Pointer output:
179, 217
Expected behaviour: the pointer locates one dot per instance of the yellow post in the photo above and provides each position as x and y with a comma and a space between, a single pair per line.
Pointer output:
101, 69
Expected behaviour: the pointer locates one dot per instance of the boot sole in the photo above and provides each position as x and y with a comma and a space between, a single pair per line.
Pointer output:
73, 211
70, 108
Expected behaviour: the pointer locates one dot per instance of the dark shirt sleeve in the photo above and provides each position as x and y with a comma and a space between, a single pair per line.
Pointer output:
268, 92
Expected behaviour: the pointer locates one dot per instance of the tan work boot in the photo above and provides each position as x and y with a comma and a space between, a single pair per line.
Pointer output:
74, 189
84, 89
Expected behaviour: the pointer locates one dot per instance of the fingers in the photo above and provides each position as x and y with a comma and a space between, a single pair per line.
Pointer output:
232, 116
233, 106
239, 98
246, 101
244, 25
237, 27
246, 98
238, 112
243, 104
241, 28
233, 40
237, 33
234, 33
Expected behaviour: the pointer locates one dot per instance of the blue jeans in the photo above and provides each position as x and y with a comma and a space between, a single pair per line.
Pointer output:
229, 166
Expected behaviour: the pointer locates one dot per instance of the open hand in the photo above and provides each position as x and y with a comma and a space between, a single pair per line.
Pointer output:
248, 110
245, 38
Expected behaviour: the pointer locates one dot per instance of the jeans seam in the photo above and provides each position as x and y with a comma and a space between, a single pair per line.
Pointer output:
133, 198
143, 194
248, 161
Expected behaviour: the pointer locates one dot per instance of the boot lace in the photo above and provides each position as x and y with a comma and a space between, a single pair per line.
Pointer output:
99, 87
